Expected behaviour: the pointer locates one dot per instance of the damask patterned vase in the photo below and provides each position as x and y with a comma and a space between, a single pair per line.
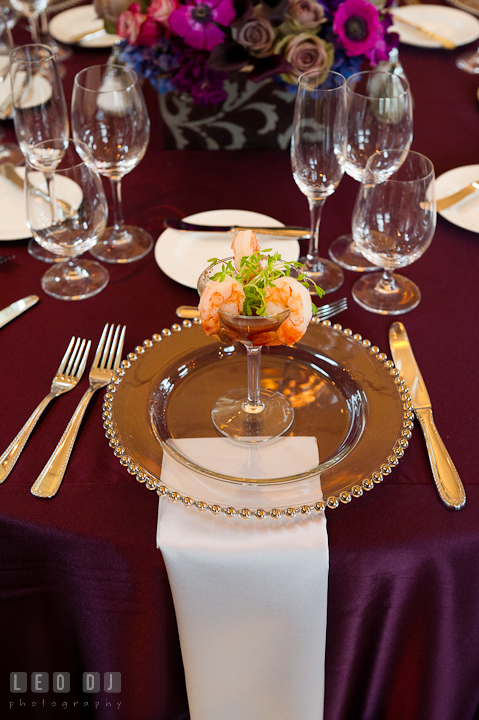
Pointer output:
253, 116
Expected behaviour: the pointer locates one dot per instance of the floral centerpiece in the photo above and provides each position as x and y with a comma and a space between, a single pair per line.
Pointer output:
193, 46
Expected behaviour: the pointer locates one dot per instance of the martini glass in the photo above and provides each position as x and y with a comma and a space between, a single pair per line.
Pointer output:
249, 414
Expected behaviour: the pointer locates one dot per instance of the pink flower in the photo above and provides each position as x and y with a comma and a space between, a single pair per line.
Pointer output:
305, 52
160, 10
197, 22
306, 13
130, 22
357, 25
256, 35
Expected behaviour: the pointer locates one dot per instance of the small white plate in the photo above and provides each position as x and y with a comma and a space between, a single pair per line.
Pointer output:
184, 255
69, 24
41, 90
465, 213
454, 24
13, 214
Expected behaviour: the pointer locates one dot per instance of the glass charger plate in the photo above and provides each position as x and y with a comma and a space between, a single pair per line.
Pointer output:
345, 393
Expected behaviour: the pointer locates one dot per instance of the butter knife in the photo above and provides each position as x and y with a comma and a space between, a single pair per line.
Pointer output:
444, 41
280, 231
446, 202
448, 482
17, 308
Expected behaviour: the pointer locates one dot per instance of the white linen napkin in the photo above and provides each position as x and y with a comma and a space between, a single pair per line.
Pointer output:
250, 595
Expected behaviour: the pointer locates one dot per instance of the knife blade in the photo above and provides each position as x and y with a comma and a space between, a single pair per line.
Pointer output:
17, 308
444, 41
448, 482
446, 202
280, 231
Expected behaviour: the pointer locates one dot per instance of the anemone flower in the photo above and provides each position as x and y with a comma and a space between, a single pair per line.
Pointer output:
197, 22
356, 23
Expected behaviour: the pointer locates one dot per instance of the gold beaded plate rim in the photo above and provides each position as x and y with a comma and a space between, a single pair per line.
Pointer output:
135, 453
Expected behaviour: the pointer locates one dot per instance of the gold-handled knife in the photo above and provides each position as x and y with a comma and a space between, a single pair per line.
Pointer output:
279, 231
448, 482
446, 202
444, 41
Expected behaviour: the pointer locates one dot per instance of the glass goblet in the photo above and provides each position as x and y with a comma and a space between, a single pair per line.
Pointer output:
66, 212
9, 152
39, 108
318, 152
249, 414
393, 225
109, 114
31, 9
379, 117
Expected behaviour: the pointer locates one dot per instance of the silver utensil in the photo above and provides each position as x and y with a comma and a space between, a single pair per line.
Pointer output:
88, 35
188, 312
444, 41
17, 308
66, 378
280, 231
107, 360
446, 202
448, 482
9, 172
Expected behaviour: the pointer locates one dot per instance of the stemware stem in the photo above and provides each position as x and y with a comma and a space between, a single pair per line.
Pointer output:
32, 22
315, 212
253, 405
118, 218
387, 283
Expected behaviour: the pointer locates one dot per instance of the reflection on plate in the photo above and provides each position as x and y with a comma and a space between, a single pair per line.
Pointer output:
40, 92
465, 213
13, 225
451, 23
184, 255
346, 395
67, 25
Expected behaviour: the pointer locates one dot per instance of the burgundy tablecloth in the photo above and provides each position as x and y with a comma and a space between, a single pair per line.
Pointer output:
83, 588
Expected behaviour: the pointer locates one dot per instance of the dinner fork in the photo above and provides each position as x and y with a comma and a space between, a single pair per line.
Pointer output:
323, 313
106, 361
67, 377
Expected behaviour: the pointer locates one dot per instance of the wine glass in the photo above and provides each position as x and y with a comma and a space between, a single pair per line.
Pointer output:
250, 414
109, 114
39, 108
66, 212
379, 117
318, 152
393, 225
9, 152
31, 9
469, 62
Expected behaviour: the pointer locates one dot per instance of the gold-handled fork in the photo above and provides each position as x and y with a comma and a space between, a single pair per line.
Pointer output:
106, 361
67, 377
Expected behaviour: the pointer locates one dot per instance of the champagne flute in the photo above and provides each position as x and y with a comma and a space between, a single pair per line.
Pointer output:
66, 212
109, 114
379, 117
249, 414
39, 109
393, 225
318, 152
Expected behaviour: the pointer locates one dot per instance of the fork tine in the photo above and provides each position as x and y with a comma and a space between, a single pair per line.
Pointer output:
119, 351
99, 349
106, 349
73, 357
65, 357
112, 348
80, 365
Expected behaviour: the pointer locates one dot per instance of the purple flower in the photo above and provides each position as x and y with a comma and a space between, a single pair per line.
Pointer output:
195, 78
357, 25
197, 21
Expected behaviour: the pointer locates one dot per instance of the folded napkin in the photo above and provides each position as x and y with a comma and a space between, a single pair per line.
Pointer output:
250, 595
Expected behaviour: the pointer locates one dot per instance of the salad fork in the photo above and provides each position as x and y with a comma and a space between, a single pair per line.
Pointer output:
105, 363
324, 312
67, 377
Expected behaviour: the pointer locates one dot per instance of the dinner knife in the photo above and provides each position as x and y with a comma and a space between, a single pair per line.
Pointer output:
446, 202
448, 482
17, 308
280, 231
444, 41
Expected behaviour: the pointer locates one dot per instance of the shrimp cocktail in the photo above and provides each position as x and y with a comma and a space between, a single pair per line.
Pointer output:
256, 299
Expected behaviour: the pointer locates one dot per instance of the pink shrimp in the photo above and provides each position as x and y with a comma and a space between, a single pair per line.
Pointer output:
244, 243
287, 292
227, 295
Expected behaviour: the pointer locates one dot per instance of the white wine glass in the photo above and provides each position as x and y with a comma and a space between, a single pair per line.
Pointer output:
380, 116
109, 115
249, 414
66, 212
394, 221
31, 9
318, 152
39, 108
9, 152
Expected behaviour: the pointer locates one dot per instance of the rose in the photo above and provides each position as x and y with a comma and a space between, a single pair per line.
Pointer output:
305, 52
305, 14
160, 10
130, 22
256, 35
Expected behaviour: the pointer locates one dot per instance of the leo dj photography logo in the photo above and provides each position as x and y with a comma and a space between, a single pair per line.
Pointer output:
60, 683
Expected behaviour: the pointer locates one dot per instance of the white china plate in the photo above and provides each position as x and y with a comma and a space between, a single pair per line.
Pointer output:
465, 213
68, 24
40, 93
454, 24
13, 223
184, 255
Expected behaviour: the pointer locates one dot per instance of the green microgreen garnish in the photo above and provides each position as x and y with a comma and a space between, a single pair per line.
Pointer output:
257, 272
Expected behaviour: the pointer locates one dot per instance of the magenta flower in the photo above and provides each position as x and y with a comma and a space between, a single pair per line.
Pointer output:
197, 22
356, 23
